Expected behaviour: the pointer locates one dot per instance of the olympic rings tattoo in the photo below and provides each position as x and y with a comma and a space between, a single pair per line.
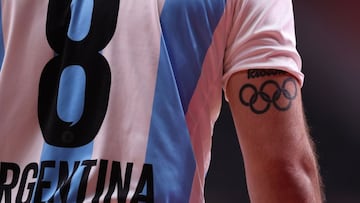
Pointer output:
282, 90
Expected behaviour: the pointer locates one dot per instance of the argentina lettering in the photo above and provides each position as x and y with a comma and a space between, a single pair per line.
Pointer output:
29, 182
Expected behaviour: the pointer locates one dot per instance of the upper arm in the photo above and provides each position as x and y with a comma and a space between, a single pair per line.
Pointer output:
267, 110
278, 155
264, 100
262, 81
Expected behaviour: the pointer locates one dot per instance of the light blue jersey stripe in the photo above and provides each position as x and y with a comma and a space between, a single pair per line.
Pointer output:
80, 26
169, 144
2, 49
71, 97
188, 27
70, 104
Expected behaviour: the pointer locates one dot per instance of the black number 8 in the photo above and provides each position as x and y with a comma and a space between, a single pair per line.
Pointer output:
84, 53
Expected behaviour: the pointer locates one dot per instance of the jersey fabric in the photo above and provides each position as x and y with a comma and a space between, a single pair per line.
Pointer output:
115, 101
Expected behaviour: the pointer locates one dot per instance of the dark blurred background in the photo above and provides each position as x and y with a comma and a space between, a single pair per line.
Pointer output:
328, 38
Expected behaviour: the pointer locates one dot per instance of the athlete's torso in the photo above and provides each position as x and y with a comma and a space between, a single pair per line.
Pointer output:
94, 99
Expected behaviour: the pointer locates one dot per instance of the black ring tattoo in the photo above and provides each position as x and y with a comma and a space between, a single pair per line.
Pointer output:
282, 90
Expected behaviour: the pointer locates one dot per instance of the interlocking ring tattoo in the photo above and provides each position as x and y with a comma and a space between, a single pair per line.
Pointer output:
288, 90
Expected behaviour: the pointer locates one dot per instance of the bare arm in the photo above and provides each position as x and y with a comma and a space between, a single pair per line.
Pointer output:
279, 159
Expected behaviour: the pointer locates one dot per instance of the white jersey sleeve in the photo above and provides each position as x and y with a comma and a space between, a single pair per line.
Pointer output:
262, 36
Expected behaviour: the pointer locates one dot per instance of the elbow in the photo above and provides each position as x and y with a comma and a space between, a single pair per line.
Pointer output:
297, 177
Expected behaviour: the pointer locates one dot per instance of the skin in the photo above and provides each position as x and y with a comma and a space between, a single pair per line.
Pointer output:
279, 157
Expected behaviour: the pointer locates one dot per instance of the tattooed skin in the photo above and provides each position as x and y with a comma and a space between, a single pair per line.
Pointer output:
270, 93
252, 73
